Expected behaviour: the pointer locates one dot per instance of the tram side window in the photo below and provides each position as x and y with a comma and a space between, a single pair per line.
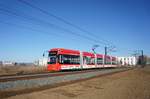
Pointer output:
70, 59
114, 62
108, 61
88, 60
99, 61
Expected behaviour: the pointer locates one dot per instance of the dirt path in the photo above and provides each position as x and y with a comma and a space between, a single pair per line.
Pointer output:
133, 84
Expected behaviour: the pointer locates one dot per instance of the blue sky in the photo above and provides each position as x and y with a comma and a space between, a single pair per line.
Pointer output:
125, 23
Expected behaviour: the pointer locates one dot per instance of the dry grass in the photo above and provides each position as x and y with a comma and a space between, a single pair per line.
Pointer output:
18, 70
133, 84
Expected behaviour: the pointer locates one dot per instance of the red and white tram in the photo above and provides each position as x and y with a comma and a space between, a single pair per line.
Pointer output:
66, 59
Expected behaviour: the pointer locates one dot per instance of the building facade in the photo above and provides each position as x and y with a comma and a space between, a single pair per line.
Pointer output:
8, 63
41, 62
129, 61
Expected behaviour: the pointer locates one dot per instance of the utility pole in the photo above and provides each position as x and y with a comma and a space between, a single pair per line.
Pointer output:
142, 58
107, 49
105, 55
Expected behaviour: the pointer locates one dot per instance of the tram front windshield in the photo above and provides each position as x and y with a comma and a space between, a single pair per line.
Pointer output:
52, 57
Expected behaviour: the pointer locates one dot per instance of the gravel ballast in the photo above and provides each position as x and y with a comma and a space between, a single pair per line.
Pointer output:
31, 83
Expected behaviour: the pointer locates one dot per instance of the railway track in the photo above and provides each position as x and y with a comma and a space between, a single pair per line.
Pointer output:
36, 80
28, 83
6, 78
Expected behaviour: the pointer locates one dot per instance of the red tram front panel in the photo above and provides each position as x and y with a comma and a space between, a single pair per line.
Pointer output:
65, 60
